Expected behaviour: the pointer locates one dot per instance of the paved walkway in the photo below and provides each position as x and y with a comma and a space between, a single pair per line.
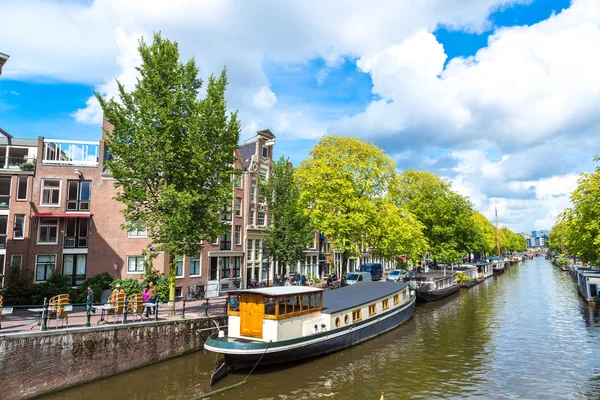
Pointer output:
25, 320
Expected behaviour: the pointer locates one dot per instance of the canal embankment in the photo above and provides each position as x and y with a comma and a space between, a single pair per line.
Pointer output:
41, 362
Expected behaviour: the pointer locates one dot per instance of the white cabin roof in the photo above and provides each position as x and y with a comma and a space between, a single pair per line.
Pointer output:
280, 290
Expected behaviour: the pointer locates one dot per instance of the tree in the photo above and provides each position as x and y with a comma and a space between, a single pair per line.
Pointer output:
449, 226
172, 152
289, 229
340, 183
556, 238
581, 222
488, 230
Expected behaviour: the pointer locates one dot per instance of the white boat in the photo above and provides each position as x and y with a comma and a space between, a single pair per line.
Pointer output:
589, 284
290, 323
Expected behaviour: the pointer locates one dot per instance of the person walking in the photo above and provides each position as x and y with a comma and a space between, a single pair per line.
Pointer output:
89, 301
152, 296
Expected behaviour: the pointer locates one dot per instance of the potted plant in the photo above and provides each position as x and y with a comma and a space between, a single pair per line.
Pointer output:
27, 166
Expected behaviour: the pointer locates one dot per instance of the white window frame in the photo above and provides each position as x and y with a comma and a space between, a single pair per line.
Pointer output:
197, 258
26, 188
37, 263
12, 260
237, 236
264, 218
263, 152
39, 228
264, 168
24, 224
182, 260
238, 212
59, 192
135, 272
136, 234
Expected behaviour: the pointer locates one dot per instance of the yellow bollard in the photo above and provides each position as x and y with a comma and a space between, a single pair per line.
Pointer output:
381, 396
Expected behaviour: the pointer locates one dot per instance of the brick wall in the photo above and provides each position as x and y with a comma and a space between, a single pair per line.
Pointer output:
36, 363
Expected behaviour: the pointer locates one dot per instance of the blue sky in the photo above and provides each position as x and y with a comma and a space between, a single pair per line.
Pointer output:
399, 75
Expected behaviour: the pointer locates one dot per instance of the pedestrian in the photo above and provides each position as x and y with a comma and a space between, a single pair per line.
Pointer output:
115, 293
152, 297
89, 301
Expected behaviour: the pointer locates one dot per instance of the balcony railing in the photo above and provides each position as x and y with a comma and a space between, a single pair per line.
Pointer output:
4, 202
24, 163
70, 152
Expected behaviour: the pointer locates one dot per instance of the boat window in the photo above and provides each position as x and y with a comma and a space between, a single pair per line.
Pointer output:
282, 305
396, 299
290, 305
269, 305
337, 322
234, 303
296, 303
356, 315
384, 304
305, 305
404, 295
318, 300
346, 319
372, 309
312, 301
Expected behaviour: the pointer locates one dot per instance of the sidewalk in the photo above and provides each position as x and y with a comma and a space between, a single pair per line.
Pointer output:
25, 320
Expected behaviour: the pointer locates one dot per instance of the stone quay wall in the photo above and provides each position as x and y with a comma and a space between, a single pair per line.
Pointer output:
37, 363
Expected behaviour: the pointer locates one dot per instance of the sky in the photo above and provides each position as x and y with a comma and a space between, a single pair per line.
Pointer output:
501, 97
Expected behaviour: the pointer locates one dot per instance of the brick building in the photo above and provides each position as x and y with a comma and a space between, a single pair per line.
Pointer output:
59, 201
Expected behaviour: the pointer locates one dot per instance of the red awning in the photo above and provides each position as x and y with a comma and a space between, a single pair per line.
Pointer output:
73, 215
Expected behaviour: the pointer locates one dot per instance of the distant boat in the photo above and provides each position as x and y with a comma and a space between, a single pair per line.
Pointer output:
434, 285
589, 284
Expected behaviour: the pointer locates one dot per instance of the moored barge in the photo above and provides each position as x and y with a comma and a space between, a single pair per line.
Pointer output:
291, 323
434, 285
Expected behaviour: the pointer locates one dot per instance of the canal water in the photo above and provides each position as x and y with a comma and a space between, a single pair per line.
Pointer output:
524, 335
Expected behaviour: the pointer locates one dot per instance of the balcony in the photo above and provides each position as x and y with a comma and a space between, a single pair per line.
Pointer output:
4, 202
70, 152
3, 241
23, 163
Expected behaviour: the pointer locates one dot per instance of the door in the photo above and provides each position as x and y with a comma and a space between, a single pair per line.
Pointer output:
251, 315
593, 290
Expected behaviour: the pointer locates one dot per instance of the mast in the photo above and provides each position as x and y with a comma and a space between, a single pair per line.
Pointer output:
497, 232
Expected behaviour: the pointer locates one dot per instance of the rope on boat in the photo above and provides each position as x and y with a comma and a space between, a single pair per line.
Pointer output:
241, 383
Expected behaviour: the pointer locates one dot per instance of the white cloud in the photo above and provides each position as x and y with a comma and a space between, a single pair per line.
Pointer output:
322, 76
264, 99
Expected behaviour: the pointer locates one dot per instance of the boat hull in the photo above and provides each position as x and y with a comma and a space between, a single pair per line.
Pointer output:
311, 346
429, 295
499, 271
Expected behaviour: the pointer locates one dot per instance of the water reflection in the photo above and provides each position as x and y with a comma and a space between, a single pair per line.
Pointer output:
523, 334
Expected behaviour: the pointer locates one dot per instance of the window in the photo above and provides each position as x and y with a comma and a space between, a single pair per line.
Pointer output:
16, 260
396, 299
257, 249
137, 232
253, 191
48, 231
252, 213
236, 266
261, 218
337, 322
178, 291
356, 315
238, 206
385, 304
50, 192
3, 230
78, 195
74, 268
265, 152
346, 319
195, 266
249, 251
214, 265
76, 232
44, 267
593, 290
136, 264
264, 171
404, 295
5, 183
226, 241
22, 188
372, 309
179, 267
225, 264
19, 226
215, 241
238, 234
226, 214
238, 181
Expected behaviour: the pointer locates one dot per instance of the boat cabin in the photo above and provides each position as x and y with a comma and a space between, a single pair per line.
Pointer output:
589, 284
485, 269
275, 313
434, 280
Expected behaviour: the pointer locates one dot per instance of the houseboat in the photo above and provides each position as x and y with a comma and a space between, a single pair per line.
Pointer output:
291, 323
498, 265
589, 284
469, 270
485, 269
434, 285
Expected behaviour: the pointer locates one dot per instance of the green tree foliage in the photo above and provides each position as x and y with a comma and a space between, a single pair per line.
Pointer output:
488, 230
449, 226
16, 291
289, 229
580, 224
172, 152
344, 183
510, 241
556, 237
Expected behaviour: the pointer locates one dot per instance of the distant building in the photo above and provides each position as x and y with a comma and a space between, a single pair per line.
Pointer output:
539, 238
3, 58
529, 239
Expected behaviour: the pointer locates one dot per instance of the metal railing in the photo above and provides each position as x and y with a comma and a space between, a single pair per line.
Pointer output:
4, 202
15, 162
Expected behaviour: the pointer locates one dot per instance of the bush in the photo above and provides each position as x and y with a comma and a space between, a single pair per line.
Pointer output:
57, 284
162, 288
17, 290
461, 277
130, 286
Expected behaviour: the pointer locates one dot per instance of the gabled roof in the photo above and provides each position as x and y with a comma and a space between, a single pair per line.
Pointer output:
247, 151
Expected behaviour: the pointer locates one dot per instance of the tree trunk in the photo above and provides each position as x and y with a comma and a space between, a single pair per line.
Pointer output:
172, 268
